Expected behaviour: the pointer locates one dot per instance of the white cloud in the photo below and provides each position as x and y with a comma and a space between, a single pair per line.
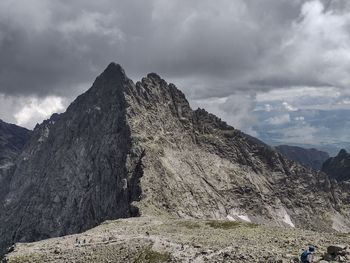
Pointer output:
318, 46
279, 120
304, 134
345, 101
292, 94
236, 110
302, 98
268, 107
299, 118
35, 110
288, 107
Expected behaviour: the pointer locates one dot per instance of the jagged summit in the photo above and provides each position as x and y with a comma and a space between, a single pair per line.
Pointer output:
123, 149
154, 76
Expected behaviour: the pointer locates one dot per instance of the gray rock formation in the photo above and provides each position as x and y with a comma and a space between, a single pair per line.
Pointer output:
338, 167
309, 157
12, 140
123, 149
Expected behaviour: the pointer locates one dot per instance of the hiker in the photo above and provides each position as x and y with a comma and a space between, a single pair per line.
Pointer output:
307, 255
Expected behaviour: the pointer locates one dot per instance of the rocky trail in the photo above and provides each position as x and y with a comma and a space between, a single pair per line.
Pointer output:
150, 239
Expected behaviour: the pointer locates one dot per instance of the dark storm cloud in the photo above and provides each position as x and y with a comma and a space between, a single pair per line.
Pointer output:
51, 47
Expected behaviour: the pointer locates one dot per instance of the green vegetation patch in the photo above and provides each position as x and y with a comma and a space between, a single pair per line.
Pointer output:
339, 234
148, 255
229, 224
26, 259
223, 224
189, 224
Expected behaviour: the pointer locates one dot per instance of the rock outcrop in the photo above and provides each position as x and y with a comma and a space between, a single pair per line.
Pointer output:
338, 167
310, 157
123, 149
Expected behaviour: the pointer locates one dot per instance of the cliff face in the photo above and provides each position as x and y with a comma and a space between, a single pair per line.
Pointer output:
338, 167
123, 149
310, 157
195, 165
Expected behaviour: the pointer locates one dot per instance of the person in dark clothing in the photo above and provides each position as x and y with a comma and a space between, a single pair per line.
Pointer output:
307, 255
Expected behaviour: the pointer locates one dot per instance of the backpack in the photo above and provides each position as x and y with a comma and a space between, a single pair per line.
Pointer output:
304, 255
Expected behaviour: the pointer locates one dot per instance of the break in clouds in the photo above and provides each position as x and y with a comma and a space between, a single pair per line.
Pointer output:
273, 68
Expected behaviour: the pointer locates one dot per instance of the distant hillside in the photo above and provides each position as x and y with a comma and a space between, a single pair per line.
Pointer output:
309, 157
12, 140
338, 167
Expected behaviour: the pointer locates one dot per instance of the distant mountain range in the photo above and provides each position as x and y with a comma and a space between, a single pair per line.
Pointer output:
309, 157
325, 130
125, 149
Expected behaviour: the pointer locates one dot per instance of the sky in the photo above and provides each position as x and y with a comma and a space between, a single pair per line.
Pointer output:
276, 69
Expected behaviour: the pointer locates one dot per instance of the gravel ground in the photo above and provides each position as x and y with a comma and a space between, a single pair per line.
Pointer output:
148, 239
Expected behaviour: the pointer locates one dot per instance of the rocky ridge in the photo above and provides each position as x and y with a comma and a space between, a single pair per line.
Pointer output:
310, 157
123, 149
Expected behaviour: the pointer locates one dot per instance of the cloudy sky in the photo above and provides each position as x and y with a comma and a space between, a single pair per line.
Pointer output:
277, 69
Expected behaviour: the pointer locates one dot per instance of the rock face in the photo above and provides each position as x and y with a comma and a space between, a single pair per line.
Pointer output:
12, 140
338, 167
310, 157
123, 149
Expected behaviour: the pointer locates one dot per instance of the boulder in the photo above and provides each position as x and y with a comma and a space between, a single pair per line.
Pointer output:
335, 250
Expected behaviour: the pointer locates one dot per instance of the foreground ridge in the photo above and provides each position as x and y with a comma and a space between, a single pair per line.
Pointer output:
160, 239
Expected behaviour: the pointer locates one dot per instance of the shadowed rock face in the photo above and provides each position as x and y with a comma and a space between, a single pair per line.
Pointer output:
75, 170
12, 140
123, 149
338, 167
310, 157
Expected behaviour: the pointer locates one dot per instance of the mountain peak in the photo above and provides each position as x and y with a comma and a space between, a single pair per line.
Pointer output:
342, 152
113, 70
154, 76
